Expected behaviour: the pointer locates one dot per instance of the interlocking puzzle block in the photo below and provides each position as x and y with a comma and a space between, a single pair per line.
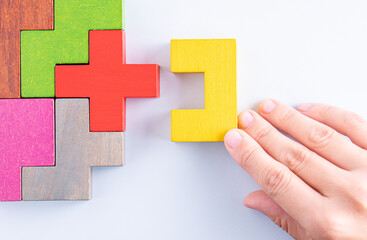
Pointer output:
77, 150
16, 15
67, 44
107, 81
217, 59
26, 139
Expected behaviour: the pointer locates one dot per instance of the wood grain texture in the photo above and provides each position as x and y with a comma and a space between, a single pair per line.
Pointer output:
107, 81
17, 15
26, 139
217, 59
77, 150
67, 44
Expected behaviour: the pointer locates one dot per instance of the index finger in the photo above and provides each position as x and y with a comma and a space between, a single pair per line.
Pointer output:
281, 184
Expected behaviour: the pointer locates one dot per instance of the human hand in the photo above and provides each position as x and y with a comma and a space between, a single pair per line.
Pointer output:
315, 188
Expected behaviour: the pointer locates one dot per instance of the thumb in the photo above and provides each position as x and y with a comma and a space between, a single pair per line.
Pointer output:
259, 201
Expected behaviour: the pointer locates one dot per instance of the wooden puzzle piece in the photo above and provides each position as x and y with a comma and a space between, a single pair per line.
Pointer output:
17, 15
217, 59
107, 81
67, 44
26, 139
77, 150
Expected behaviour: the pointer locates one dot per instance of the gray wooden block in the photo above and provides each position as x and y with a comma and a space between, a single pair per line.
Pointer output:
77, 150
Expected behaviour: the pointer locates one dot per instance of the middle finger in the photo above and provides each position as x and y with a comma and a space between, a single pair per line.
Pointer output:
316, 136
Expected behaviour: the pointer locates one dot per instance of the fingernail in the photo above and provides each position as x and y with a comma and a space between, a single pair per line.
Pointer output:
303, 107
233, 139
246, 119
267, 106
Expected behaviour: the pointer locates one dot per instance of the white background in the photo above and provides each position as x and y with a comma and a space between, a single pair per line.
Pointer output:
291, 50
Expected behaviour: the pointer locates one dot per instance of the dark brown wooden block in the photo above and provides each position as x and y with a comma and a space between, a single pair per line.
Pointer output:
17, 15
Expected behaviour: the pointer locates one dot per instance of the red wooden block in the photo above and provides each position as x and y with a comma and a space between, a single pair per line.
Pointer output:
107, 81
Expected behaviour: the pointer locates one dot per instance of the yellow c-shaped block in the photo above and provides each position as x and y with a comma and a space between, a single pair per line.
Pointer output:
216, 58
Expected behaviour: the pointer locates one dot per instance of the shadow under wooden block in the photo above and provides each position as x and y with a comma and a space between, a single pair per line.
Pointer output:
26, 139
77, 150
217, 59
17, 15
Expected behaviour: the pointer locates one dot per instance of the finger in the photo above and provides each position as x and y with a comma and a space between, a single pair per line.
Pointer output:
318, 137
279, 183
345, 122
261, 202
310, 167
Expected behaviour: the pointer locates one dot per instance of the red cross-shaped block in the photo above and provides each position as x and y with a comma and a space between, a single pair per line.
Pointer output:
107, 81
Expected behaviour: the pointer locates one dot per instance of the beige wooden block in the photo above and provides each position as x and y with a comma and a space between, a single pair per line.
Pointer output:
77, 150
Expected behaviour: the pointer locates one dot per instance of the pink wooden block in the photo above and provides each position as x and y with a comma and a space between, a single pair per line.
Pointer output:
26, 140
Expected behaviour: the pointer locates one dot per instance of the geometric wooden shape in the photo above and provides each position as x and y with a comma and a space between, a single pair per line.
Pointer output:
67, 44
17, 15
107, 81
26, 139
217, 59
77, 150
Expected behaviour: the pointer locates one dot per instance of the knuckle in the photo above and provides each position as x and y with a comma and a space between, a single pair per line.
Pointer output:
248, 156
277, 220
320, 136
286, 117
263, 133
357, 194
295, 158
277, 181
353, 120
282, 222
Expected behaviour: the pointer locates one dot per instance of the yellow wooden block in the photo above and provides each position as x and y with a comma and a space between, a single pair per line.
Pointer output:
216, 58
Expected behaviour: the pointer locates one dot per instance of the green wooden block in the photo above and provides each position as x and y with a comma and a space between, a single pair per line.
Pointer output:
67, 44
